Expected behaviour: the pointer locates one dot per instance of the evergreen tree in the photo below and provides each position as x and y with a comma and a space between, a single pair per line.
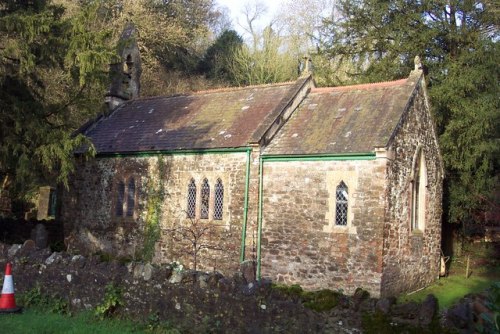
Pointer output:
458, 43
51, 68
215, 63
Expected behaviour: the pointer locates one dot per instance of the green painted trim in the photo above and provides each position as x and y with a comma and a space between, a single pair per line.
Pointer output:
259, 219
245, 208
320, 157
174, 152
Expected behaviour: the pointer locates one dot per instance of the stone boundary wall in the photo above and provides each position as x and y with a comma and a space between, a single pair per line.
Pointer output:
199, 302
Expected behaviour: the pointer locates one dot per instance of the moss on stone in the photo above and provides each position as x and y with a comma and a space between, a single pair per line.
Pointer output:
321, 300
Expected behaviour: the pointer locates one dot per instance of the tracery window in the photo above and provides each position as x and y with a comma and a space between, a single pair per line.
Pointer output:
341, 204
219, 200
191, 199
205, 199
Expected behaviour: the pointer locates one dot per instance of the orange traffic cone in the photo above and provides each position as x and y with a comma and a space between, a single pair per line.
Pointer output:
7, 299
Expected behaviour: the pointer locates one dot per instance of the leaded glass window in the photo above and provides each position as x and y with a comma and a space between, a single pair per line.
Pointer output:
219, 200
341, 206
120, 196
191, 199
130, 197
205, 198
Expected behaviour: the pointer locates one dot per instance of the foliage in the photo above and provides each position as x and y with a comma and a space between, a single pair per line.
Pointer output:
493, 303
458, 44
51, 67
112, 301
156, 196
36, 299
264, 64
215, 62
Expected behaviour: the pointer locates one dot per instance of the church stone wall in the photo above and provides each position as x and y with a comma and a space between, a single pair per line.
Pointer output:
301, 243
89, 205
411, 258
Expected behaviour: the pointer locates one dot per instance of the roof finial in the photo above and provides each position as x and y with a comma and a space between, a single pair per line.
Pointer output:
418, 63
306, 66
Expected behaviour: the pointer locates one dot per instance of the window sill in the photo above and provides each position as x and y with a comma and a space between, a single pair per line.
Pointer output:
417, 233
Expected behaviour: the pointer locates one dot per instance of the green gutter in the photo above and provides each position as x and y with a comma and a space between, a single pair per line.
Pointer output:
321, 157
173, 152
245, 208
296, 157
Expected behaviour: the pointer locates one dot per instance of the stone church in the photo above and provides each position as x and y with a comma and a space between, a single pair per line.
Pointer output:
331, 187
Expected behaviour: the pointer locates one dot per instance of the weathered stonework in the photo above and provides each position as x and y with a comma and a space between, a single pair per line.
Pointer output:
375, 143
88, 208
301, 243
411, 258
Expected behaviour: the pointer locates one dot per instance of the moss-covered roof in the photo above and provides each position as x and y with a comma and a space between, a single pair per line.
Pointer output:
349, 119
223, 118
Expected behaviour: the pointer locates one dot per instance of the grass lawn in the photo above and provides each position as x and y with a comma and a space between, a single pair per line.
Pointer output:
484, 270
32, 321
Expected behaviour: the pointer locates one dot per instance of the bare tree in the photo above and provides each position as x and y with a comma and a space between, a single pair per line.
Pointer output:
198, 236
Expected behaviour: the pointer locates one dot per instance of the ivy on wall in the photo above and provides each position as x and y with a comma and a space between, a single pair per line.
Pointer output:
155, 196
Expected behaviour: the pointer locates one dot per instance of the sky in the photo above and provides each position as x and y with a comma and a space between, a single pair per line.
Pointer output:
236, 7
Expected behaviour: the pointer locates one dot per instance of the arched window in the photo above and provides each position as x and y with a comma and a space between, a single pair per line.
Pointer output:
219, 200
205, 199
191, 199
120, 197
130, 197
418, 191
341, 205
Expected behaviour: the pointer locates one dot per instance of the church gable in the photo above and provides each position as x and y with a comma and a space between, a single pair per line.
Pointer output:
349, 119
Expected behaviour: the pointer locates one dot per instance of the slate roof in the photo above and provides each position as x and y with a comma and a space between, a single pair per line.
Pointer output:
224, 118
349, 119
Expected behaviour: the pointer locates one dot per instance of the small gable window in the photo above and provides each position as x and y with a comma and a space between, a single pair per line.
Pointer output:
341, 204
191, 199
219, 200
205, 199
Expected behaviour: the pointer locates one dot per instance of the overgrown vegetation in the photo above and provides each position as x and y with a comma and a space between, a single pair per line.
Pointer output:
49, 303
156, 196
111, 302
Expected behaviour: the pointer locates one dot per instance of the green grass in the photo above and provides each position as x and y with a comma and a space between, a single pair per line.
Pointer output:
484, 270
32, 321
450, 289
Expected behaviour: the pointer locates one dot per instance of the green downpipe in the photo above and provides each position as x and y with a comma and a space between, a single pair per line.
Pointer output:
259, 224
245, 208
